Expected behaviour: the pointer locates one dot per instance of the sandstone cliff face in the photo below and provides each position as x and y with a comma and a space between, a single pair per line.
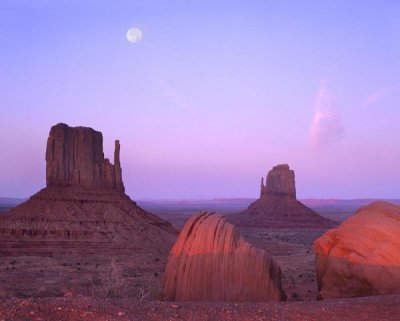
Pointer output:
280, 182
278, 207
211, 262
362, 256
74, 157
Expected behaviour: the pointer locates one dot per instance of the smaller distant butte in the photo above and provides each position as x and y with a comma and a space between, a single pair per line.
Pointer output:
278, 207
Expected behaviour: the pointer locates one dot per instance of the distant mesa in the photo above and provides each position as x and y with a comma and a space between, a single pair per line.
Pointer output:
362, 256
83, 205
210, 261
278, 206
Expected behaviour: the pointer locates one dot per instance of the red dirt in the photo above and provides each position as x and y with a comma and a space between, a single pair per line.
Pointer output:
379, 308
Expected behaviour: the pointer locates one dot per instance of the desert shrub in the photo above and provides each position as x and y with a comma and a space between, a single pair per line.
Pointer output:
111, 283
151, 291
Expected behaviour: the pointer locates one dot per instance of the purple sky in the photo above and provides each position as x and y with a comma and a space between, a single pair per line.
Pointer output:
213, 96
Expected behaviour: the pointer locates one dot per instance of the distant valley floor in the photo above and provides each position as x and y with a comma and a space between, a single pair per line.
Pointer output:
178, 211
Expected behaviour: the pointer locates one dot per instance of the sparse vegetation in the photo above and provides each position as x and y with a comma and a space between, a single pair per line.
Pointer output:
150, 292
112, 283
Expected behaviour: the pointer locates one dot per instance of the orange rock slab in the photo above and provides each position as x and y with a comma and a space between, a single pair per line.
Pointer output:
362, 256
210, 261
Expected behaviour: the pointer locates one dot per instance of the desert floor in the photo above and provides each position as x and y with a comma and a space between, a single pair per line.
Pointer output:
88, 286
382, 308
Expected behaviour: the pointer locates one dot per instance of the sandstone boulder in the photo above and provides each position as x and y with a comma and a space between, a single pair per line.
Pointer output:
211, 262
362, 256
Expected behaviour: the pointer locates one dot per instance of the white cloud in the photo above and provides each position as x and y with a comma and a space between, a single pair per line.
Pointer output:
326, 124
379, 94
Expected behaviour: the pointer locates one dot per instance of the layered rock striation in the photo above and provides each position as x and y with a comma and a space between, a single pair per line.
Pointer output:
362, 256
278, 207
210, 261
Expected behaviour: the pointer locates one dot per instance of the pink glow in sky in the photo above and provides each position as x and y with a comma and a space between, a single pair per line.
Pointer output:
213, 96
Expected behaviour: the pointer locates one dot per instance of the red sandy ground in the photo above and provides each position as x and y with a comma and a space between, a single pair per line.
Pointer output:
291, 248
377, 308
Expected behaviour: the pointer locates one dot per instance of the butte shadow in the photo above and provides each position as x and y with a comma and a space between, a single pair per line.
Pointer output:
83, 214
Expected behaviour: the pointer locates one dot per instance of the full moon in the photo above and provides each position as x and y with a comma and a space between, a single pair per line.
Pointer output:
134, 35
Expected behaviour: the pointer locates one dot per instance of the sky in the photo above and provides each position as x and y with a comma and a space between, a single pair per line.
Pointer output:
214, 95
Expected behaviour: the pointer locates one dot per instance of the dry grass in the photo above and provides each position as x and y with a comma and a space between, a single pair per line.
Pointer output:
111, 283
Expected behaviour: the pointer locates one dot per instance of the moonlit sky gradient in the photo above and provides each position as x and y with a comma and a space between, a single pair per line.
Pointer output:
213, 96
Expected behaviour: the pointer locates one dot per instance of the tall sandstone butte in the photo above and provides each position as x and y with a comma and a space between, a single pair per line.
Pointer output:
362, 256
81, 219
278, 207
84, 202
210, 261
74, 157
